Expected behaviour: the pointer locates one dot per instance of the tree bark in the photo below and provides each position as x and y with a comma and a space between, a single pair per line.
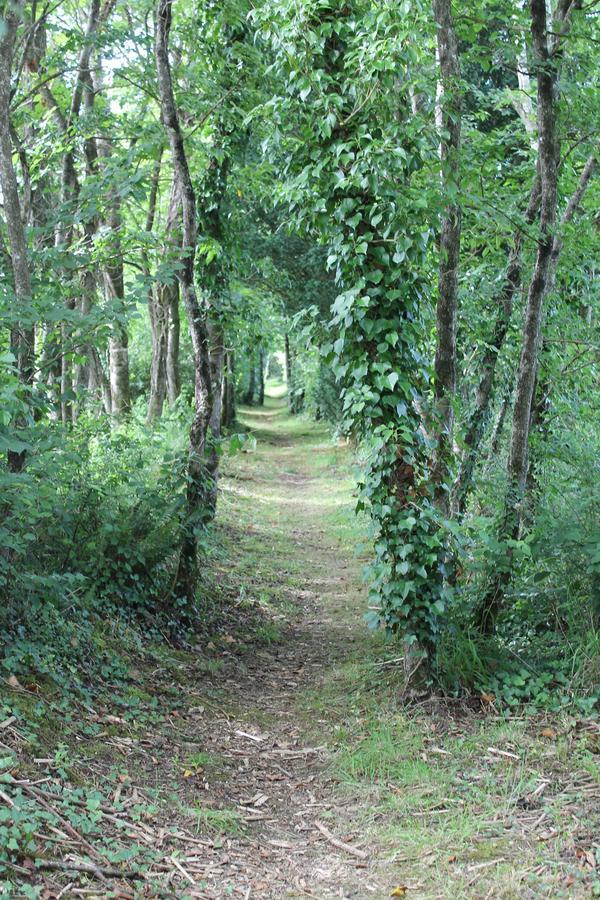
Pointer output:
173, 375
118, 343
261, 377
228, 412
22, 332
447, 303
217, 356
159, 306
542, 284
500, 419
69, 191
288, 370
541, 404
186, 579
114, 286
248, 398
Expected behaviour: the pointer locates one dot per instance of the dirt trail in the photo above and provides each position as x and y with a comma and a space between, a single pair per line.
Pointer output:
279, 767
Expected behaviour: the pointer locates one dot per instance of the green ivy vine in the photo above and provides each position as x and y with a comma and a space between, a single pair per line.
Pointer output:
361, 189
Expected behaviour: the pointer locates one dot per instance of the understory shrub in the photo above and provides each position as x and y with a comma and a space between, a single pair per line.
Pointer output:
546, 650
89, 535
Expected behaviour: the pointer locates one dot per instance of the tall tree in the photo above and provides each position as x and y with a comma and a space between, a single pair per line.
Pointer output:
22, 331
196, 471
447, 302
547, 46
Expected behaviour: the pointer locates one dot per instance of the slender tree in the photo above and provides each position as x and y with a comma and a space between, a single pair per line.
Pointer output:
447, 302
196, 472
547, 46
22, 331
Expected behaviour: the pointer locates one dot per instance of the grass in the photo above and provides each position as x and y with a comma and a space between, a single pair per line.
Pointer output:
203, 760
218, 821
439, 799
439, 795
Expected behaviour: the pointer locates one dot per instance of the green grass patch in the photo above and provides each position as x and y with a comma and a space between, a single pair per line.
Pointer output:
218, 821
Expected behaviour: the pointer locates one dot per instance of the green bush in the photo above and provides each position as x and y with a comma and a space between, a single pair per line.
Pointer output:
89, 534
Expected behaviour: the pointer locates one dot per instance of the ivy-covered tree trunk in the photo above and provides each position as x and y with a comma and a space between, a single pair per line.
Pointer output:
353, 185
197, 480
22, 335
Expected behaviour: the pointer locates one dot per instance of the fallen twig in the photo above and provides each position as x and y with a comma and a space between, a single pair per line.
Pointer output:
185, 874
484, 865
505, 753
341, 845
88, 868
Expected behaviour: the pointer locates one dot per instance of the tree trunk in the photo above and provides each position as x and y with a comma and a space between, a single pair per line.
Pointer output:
500, 419
118, 343
159, 325
118, 349
69, 191
261, 377
173, 376
22, 332
67, 409
545, 65
288, 371
98, 381
228, 412
114, 289
217, 356
447, 303
187, 574
248, 398
539, 426
159, 309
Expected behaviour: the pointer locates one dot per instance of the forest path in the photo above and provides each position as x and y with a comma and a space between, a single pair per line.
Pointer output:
278, 758
287, 507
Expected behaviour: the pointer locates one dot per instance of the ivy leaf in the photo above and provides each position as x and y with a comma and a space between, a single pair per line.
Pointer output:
375, 276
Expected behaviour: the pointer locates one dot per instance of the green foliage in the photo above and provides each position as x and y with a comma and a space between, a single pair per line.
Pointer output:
342, 185
90, 533
521, 667
313, 148
314, 386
